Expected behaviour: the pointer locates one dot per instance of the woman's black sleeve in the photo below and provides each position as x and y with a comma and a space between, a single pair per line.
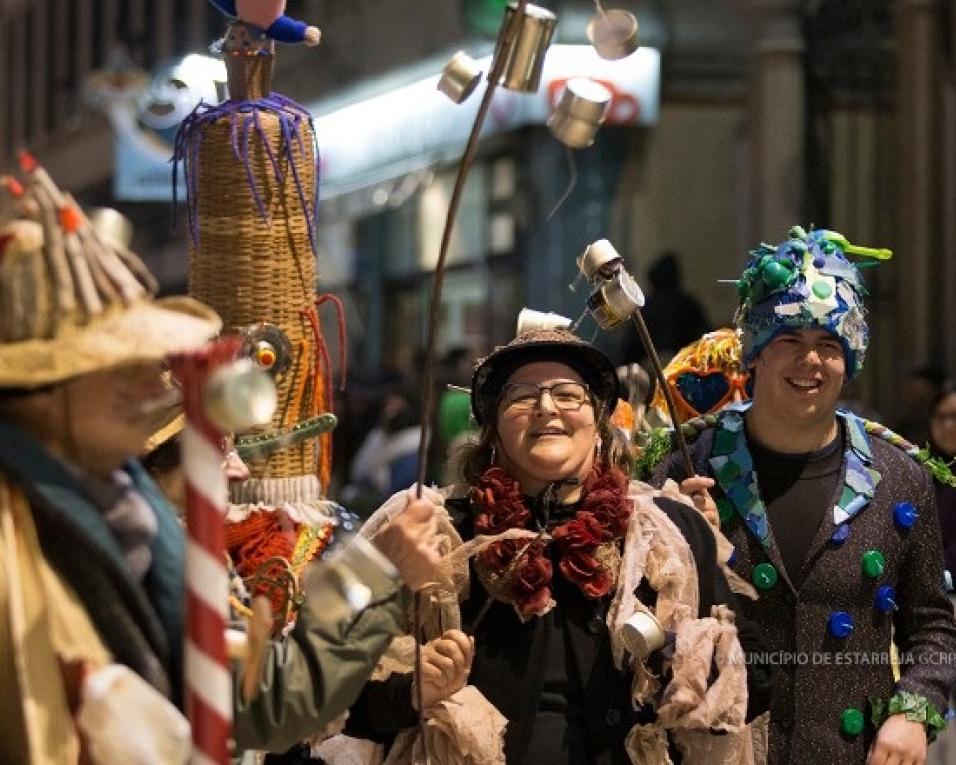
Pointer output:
384, 709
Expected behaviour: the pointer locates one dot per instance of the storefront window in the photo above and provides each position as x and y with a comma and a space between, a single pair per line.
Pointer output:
470, 235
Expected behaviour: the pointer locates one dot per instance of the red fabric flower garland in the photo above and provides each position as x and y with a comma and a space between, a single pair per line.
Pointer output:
601, 520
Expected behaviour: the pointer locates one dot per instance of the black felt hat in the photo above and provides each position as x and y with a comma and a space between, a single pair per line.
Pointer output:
558, 345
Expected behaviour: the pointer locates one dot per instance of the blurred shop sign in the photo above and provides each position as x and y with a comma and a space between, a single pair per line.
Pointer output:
145, 121
367, 137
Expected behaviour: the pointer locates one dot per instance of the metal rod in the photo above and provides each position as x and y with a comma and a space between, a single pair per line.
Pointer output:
428, 396
665, 389
468, 158
419, 691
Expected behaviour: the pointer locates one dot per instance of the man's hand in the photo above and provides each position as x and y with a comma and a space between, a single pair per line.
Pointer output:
410, 542
446, 662
898, 742
696, 487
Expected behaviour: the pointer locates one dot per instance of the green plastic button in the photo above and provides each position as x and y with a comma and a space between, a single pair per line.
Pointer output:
775, 274
873, 563
822, 289
851, 721
764, 576
725, 510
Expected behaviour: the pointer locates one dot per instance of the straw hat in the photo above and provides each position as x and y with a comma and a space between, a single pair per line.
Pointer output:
73, 302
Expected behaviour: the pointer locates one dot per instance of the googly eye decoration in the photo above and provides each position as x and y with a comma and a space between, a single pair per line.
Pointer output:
267, 345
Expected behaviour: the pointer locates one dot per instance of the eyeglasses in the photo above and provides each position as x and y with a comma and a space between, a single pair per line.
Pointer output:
703, 393
567, 396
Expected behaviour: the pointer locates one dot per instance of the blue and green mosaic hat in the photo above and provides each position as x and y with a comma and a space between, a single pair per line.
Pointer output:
806, 282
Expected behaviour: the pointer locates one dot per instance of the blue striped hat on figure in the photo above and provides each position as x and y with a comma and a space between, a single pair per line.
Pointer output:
806, 282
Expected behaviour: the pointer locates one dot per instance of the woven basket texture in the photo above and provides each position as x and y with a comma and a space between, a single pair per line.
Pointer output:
252, 268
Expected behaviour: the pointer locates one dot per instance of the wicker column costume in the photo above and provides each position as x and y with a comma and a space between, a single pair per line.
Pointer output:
251, 169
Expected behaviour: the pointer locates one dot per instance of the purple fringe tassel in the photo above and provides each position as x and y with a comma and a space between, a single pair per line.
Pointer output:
245, 124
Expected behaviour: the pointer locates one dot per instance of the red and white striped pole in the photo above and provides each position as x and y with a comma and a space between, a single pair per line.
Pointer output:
208, 681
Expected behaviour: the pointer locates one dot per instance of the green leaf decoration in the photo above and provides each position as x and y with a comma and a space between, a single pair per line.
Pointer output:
916, 708
654, 447
938, 468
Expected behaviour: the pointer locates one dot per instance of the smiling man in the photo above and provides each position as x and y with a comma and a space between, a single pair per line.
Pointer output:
835, 527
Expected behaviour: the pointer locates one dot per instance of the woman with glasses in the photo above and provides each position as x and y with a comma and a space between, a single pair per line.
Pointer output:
565, 550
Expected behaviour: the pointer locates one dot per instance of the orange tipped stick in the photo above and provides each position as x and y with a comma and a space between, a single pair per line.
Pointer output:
28, 163
70, 219
13, 186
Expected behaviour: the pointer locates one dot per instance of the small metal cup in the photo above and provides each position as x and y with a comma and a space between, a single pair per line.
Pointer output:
614, 34
112, 225
343, 583
599, 259
460, 77
616, 300
580, 112
530, 319
238, 396
642, 634
525, 49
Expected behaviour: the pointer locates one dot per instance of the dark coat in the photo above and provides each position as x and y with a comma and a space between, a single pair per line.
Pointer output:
509, 663
140, 623
508, 666
818, 676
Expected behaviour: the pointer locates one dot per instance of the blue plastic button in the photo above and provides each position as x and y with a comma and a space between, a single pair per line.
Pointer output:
904, 515
840, 624
840, 535
819, 261
732, 560
885, 599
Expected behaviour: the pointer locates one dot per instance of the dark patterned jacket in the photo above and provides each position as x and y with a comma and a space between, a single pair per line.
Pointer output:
820, 677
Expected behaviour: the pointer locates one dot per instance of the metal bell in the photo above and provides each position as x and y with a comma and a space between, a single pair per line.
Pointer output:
613, 34
599, 259
238, 396
615, 301
530, 319
460, 77
642, 634
580, 112
524, 49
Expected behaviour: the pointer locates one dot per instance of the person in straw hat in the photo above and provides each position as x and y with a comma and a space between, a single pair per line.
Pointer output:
91, 554
92, 558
